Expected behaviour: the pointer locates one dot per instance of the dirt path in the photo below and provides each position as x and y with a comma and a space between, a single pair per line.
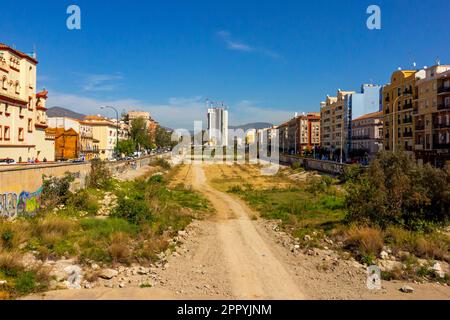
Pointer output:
254, 271
232, 256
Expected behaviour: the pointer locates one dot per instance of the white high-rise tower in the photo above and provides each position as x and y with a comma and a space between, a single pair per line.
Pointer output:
217, 123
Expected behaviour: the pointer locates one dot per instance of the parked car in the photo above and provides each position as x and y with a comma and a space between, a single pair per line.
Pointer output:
7, 161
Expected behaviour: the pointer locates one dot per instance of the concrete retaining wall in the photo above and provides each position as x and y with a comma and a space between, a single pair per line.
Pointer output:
21, 186
312, 164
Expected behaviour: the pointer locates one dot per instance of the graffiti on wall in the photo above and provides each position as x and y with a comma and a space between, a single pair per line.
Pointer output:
24, 204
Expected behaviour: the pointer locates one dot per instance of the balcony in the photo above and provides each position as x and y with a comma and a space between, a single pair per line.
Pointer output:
420, 127
444, 90
441, 146
419, 147
367, 137
407, 106
408, 91
441, 125
407, 134
407, 120
443, 106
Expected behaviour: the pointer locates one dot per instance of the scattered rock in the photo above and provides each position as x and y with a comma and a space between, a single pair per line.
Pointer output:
437, 268
74, 278
407, 289
388, 265
108, 274
3, 282
307, 238
384, 255
182, 233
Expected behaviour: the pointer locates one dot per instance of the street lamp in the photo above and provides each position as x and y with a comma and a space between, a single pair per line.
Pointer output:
117, 125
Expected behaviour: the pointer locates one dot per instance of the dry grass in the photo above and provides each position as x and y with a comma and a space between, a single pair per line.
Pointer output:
365, 240
431, 249
119, 250
224, 177
10, 262
53, 225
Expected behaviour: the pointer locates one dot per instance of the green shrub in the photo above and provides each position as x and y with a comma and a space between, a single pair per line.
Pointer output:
83, 200
56, 191
135, 211
25, 283
99, 176
397, 191
163, 164
297, 166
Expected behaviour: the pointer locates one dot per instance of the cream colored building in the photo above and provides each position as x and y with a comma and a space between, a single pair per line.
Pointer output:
23, 118
432, 116
105, 131
332, 121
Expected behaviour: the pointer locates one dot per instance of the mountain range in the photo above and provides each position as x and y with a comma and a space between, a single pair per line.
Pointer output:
63, 112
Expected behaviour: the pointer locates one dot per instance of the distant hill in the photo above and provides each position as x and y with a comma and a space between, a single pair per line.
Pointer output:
63, 112
255, 125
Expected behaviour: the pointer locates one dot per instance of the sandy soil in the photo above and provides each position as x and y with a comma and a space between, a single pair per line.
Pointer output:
233, 256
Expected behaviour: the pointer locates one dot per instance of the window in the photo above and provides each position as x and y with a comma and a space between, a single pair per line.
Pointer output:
1, 133
30, 125
7, 134
21, 134
7, 109
17, 86
5, 83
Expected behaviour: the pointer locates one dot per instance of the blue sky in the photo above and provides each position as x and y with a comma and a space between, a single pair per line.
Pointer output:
265, 59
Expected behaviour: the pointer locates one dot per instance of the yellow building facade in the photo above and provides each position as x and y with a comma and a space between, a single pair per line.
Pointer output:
23, 118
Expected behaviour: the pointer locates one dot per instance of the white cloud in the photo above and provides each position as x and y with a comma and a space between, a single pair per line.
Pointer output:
101, 82
243, 47
178, 112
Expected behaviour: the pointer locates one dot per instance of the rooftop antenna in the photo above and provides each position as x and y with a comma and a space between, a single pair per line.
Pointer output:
438, 61
34, 52
414, 65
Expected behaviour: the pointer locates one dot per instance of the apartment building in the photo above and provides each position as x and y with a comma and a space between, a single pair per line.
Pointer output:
335, 121
400, 99
326, 109
338, 112
105, 131
432, 116
300, 134
23, 117
217, 125
367, 134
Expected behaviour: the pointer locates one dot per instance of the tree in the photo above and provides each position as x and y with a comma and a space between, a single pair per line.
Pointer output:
126, 147
395, 190
163, 138
139, 134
